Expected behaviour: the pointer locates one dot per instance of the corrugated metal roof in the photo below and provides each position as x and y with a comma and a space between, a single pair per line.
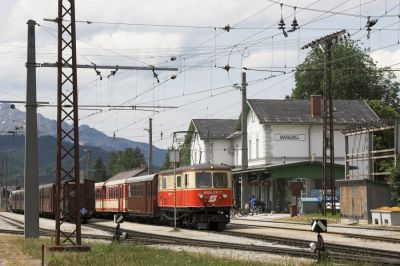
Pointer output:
123, 176
299, 111
214, 128
141, 178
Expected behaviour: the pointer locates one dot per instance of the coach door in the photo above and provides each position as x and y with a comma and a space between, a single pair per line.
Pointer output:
148, 196
120, 196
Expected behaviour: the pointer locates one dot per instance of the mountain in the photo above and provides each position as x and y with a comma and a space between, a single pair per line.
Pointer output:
13, 121
12, 150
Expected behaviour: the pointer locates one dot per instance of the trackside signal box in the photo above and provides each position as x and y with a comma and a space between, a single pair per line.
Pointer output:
319, 225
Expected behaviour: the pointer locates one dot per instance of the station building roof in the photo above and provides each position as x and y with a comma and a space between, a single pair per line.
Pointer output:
299, 111
214, 128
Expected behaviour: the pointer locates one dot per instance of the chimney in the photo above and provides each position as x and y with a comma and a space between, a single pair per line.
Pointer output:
316, 105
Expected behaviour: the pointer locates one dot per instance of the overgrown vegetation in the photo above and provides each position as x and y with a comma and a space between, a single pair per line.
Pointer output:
306, 218
355, 76
124, 254
394, 184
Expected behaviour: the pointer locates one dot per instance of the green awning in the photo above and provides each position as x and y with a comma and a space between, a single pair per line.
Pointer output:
303, 169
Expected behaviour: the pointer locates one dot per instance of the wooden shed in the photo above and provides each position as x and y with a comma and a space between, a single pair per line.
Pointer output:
358, 197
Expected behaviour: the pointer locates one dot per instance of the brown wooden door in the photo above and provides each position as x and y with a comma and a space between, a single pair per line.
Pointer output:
149, 193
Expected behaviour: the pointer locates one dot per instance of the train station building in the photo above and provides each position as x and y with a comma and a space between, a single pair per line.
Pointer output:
284, 144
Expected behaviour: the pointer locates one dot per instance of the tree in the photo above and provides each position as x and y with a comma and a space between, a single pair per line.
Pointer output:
184, 149
355, 75
394, 184
166, 163
125, 160
99, 171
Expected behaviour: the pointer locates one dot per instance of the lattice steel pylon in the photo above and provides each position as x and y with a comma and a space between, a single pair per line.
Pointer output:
328, 148
67, 124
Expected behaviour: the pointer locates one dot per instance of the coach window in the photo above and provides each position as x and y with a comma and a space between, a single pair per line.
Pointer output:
178, 181
164, 182
203, 180
220, 180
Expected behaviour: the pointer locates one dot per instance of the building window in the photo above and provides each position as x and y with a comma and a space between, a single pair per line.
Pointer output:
249, 148
257, 149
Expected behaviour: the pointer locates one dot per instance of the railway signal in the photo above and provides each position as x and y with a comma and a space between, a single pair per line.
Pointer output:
118, 219
319, 226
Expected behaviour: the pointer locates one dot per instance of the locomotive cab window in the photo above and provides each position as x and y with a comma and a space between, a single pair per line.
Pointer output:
203, 180
220, 180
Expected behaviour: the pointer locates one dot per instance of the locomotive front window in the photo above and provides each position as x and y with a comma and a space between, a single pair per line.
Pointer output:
203, 180
220, 180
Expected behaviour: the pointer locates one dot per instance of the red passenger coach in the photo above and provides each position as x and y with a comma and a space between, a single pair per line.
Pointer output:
203, 195
134, 196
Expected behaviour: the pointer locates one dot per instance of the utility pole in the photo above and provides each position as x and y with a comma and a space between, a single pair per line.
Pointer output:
31, 178
244, 142
5, 171
328, 155
150, 155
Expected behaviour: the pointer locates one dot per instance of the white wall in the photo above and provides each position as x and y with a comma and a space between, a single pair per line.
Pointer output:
217, 151
256, 134
197, 150
306, 143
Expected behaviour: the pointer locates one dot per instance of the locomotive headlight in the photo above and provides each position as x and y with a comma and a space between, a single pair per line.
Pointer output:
224, 195
201, 195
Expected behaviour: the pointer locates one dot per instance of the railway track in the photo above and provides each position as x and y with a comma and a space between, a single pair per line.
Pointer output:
297, 248
343, 249
338, 253
332, 225
349, 235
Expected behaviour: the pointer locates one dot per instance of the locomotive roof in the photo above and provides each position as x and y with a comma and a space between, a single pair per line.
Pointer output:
141, 178
17, 191
99, 184
47, 185
198, 167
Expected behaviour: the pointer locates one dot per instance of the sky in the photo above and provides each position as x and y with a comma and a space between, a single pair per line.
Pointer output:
188, 35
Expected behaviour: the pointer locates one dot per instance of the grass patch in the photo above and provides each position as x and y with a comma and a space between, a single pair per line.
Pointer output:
306, 218
127, 254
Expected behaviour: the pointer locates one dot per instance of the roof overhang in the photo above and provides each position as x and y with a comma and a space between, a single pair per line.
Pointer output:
302, 169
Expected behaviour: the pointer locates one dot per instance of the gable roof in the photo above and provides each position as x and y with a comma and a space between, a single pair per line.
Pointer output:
299, 111
214, 128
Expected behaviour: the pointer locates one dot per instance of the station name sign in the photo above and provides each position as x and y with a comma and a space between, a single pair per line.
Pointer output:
291, 137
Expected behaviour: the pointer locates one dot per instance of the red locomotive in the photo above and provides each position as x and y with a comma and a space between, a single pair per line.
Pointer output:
203, 196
